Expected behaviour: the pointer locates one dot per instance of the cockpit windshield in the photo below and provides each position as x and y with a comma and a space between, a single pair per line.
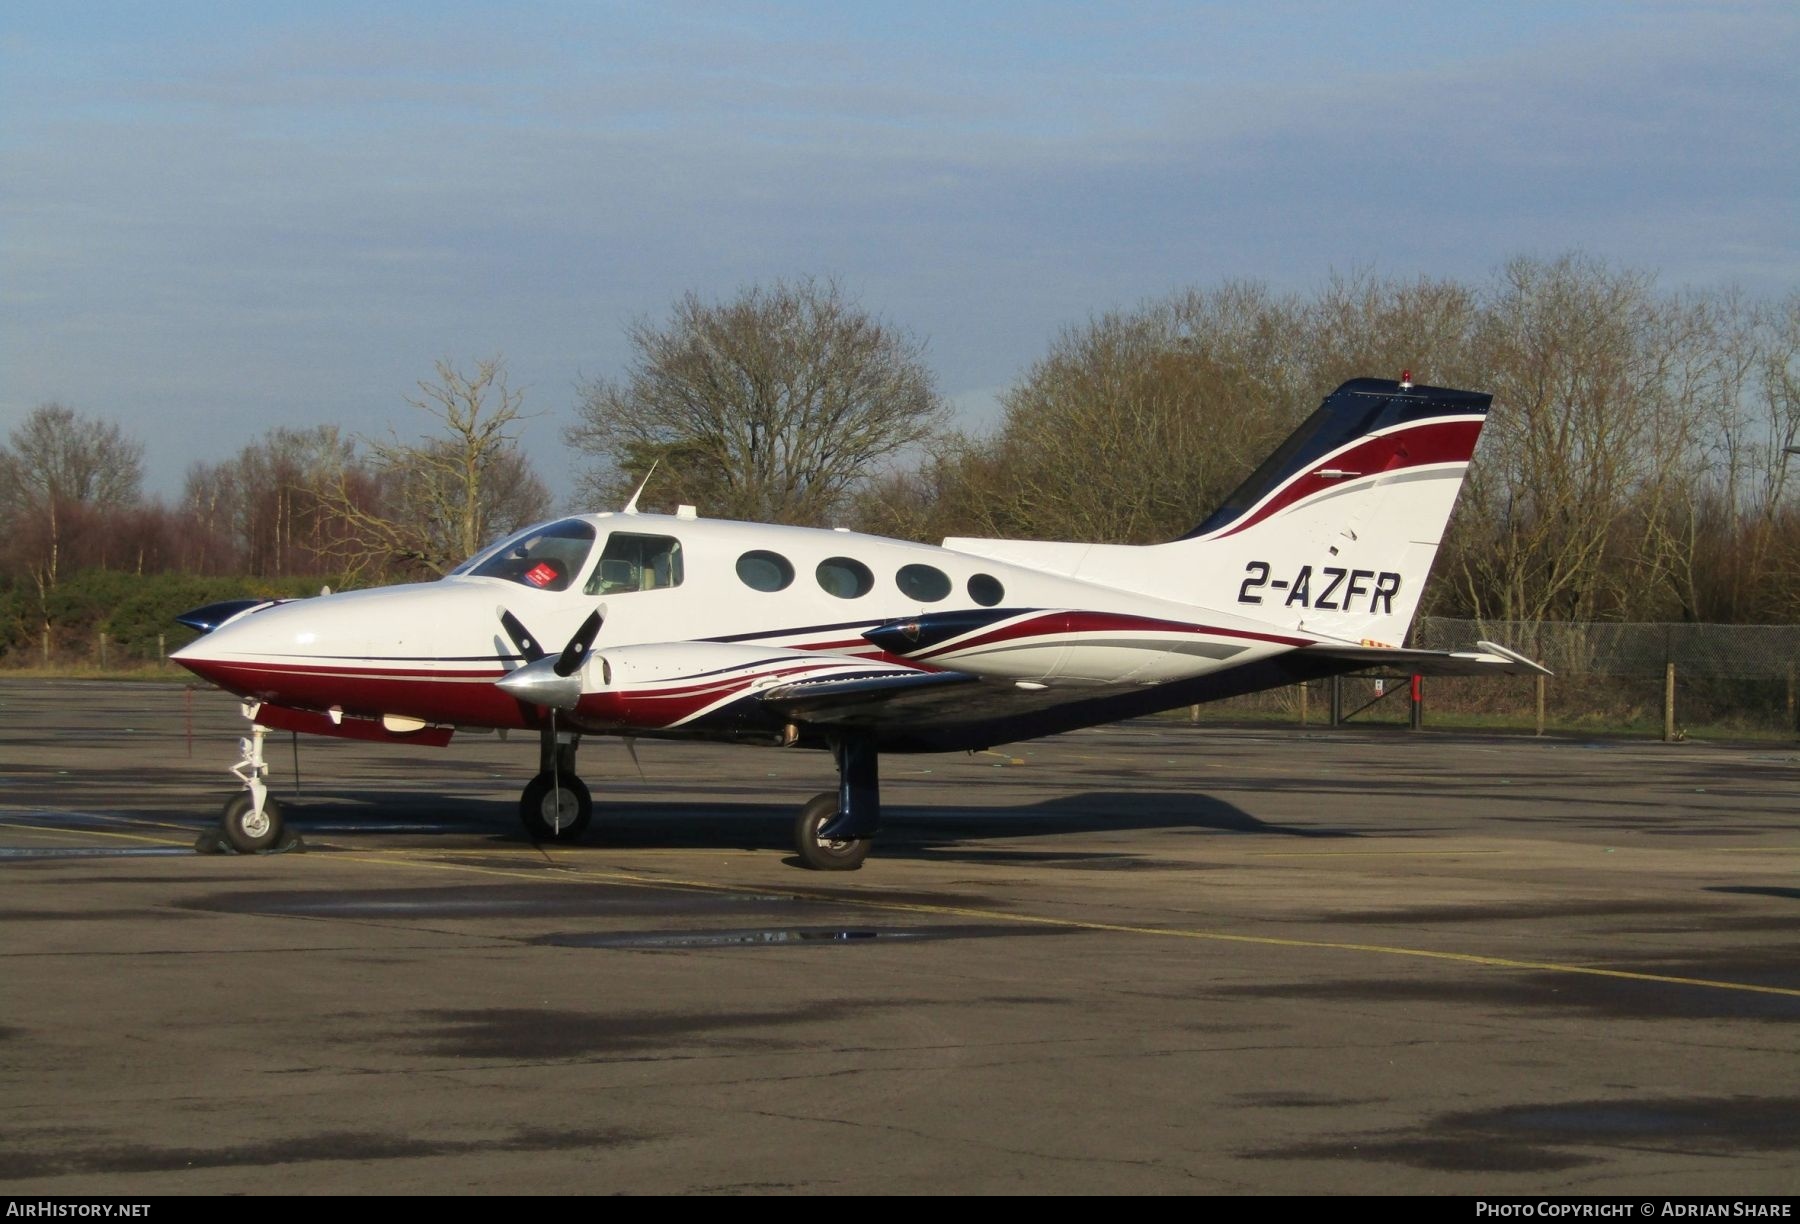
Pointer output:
548, 557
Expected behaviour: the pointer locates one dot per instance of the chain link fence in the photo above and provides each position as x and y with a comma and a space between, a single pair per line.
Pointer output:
1670, 680
1712, 652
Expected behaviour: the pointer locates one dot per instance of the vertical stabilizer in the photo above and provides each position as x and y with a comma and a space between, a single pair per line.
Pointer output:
1333, 534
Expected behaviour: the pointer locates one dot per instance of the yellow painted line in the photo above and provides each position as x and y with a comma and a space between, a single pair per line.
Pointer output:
562, 870
514, 849
1365, 853
156, 841
955, 911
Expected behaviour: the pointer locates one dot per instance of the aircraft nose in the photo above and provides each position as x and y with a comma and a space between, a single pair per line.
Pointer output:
231, 632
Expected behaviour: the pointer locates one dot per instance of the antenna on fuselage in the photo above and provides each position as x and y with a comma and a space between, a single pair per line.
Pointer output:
631, 506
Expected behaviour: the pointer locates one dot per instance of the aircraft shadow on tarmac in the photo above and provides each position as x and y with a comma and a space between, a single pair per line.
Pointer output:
342, 818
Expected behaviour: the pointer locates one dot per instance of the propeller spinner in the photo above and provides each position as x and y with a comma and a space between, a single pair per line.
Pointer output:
541, 679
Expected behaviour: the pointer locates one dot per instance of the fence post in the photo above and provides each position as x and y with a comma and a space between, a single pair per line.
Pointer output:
1303, 703
1193, 716
1418, 704
1793, 725
103, 651
1668, 703
46, 646
1540, 703
1337, 700
162, 648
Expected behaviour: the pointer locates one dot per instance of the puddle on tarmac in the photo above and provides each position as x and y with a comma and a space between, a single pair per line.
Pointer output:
763, 938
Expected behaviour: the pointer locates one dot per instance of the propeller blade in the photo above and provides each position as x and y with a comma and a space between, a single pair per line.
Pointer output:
522, 641
541, 679
579, 645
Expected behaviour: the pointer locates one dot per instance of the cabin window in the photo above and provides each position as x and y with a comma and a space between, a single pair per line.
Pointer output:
636, 563
845, 578
925, 583
547, 557
985, 589
765, 571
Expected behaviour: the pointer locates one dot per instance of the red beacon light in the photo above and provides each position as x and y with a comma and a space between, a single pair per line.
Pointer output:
1406, 380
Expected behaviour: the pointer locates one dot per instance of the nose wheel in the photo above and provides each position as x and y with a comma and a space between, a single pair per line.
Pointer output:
250, 830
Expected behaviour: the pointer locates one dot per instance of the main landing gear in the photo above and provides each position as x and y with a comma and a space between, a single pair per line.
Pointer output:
833, 832
836, 830
556, 805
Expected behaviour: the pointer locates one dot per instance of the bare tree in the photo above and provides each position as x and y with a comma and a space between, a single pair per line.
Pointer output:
1361, 326
442, 498
1732, 544
270, 502
775, 406
1135, 425
60, 469
1600, 390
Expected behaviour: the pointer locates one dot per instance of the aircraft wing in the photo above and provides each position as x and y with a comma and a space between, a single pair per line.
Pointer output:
866, 701
1490, 659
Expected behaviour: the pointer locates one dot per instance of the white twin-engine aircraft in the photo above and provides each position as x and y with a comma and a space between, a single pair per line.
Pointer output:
679, 626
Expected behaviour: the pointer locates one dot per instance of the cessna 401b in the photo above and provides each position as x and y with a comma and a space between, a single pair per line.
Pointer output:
679, 626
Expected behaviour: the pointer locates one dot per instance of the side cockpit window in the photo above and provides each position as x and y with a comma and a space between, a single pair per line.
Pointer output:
636, 563
548, 558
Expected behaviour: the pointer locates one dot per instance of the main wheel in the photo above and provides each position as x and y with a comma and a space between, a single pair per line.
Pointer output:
248, 830
556, 807
827, 854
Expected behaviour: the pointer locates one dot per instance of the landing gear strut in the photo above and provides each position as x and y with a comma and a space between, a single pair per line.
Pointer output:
556, 805
836, 830
251, 821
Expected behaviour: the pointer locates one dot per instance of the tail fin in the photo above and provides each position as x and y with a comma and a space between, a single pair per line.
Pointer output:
1367, 427
1336, 531
1333, 534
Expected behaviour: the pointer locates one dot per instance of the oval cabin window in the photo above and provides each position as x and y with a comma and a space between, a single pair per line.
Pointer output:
845, 578
925, 583
985, 589
765, 571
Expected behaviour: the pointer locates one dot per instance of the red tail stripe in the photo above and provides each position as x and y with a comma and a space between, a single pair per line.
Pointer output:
1416, 446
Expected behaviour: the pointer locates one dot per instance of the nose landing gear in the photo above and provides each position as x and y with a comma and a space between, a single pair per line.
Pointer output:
251, 820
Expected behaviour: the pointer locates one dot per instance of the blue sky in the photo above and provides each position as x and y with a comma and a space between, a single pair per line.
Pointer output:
216, 218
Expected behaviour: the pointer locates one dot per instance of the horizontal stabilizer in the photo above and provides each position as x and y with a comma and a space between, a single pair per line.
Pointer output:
1490, 660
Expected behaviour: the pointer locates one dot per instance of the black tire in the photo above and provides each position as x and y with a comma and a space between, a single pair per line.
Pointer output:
843, 854
247, 832
538, 810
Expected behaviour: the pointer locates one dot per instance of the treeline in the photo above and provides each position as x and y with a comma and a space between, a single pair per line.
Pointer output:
1635, 465
83, 552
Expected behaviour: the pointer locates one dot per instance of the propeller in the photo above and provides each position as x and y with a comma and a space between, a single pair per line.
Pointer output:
580, 644
541, 679
521, 639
